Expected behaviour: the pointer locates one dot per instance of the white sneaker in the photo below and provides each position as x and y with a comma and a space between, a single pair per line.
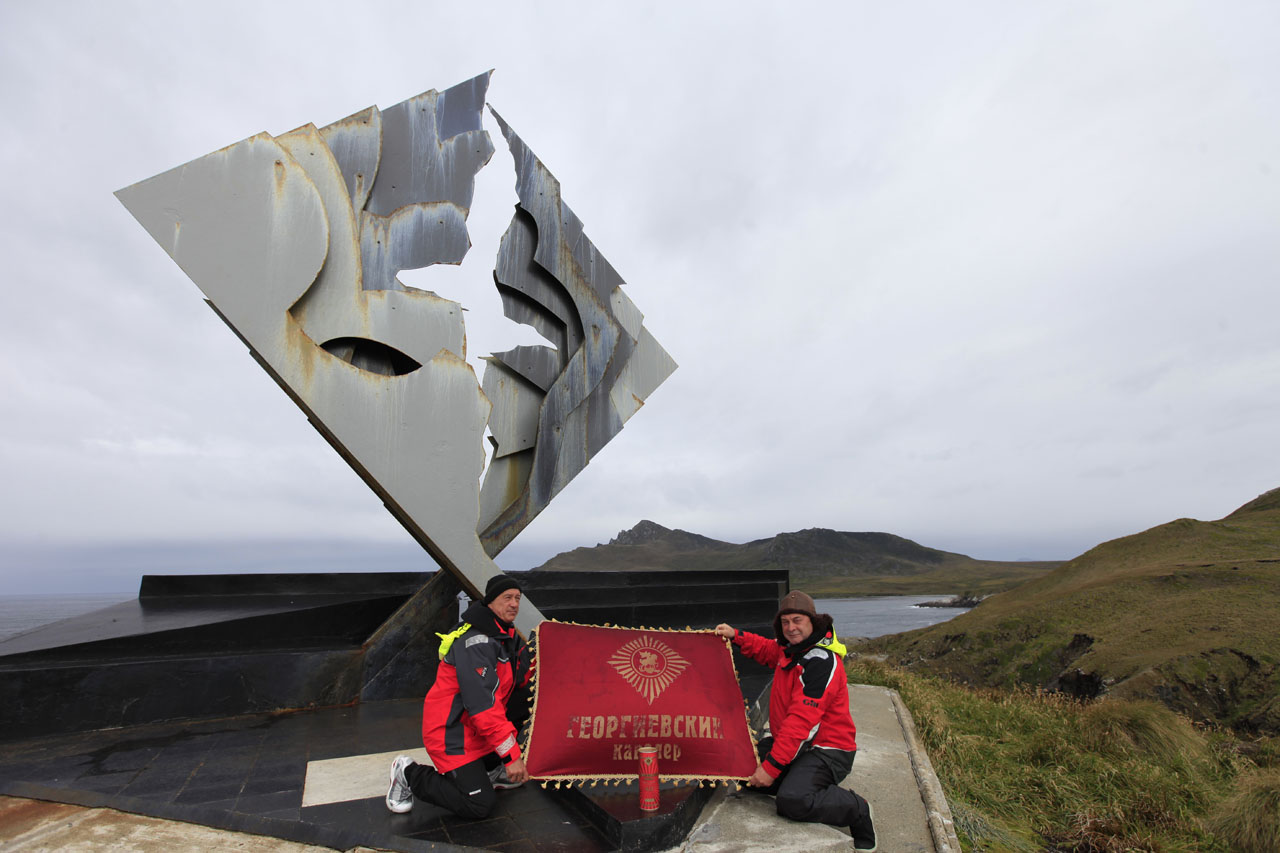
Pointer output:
501, 782
399, 797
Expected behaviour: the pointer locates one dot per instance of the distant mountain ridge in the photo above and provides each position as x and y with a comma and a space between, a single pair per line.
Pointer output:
820, 560
647, 532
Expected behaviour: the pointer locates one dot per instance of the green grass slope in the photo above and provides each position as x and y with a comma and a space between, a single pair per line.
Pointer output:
822, 562
1031, 771
1187, 613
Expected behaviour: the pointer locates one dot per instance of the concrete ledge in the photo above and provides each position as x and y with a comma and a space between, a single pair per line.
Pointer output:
941, 825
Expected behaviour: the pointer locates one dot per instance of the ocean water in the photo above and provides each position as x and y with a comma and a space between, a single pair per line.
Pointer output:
854, 617
878, 615
19, 613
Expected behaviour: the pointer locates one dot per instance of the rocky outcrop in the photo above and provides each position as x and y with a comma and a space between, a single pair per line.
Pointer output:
1220, 685
965, 599
649, 532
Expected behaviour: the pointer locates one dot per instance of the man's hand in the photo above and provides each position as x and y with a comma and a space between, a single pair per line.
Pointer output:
517, 772
759, 779
726, 631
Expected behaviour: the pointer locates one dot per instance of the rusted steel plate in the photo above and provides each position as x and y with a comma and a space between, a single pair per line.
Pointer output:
356, 145
255, 229
297, 242
554, 279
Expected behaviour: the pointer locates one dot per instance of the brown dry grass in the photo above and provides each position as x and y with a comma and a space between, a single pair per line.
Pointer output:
1249, 820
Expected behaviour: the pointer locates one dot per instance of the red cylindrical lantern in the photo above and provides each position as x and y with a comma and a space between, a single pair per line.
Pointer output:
648, 778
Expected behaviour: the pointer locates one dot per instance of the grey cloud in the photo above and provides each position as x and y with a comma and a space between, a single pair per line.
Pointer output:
926, 271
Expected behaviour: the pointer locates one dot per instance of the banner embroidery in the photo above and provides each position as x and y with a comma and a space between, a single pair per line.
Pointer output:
648, 665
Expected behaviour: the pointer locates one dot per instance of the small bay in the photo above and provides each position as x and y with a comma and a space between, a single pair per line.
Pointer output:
877, 615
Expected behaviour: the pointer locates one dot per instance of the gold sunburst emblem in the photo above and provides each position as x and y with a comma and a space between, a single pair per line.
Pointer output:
648, 665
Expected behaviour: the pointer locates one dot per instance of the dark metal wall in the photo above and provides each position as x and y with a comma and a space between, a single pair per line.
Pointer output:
225, 645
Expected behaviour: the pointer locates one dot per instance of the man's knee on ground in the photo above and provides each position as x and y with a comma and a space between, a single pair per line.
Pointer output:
793, 806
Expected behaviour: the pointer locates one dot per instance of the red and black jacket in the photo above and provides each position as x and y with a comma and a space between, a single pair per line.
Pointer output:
464, 716
809, 700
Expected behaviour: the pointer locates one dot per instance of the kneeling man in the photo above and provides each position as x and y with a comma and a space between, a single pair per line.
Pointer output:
812, 745
466, 728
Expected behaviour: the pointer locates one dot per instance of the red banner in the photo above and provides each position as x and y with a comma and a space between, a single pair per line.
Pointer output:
602, 693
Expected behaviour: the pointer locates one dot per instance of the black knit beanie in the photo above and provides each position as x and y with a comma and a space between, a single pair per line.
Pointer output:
497, 585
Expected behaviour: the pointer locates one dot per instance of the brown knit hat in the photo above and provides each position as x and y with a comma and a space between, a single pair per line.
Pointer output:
795, 602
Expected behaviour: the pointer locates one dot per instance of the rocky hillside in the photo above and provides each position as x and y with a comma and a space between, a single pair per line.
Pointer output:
1184, 613
825, 562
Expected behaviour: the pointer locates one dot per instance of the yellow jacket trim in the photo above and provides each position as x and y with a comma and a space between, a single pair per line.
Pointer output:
446, 640
833, 645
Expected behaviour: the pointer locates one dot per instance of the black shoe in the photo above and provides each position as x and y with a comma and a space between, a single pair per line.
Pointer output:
863, 830
500, 780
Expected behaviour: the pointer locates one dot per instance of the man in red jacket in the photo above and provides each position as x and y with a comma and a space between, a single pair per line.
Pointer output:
811, 746
465, 725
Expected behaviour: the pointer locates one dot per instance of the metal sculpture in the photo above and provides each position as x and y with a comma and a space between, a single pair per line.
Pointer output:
297, 241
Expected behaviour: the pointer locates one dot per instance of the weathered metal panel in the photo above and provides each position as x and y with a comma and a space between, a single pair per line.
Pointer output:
626, 312
563, 279
504, 481
250, 225
414, 236
516, 403
432, 147
297, 242
538, 365
532, 294
648, 367
413, 322
356, 145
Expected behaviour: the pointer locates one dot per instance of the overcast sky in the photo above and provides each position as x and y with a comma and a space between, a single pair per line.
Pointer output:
1001, 278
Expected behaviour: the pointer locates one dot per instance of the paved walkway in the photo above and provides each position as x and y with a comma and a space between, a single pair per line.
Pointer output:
31, 826
891, 771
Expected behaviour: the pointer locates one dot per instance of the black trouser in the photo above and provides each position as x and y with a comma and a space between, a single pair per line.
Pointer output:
809, 787
466, 791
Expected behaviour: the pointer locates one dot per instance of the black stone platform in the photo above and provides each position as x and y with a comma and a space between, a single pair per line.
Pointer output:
113, 708
247, 773
616, 812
